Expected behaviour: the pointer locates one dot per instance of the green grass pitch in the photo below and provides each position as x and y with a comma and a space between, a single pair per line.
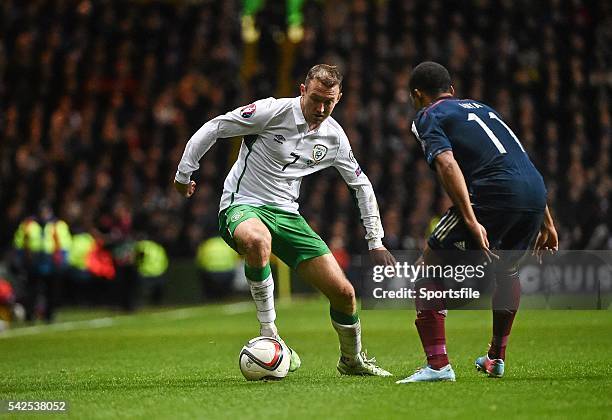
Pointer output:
184, 364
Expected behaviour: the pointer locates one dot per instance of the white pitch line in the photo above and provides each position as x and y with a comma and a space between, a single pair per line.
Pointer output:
62, 326
176, 314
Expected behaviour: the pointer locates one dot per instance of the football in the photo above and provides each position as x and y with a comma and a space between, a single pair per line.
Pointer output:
264, 358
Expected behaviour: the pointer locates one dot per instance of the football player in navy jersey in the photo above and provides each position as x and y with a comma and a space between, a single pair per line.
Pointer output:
499, 202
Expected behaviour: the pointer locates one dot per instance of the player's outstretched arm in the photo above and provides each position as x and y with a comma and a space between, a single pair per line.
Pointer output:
453, 182
361, 187
548, 240
250, 119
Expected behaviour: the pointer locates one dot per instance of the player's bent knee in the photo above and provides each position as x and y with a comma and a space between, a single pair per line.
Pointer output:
258, 241
257, 249
254, 240
345, 298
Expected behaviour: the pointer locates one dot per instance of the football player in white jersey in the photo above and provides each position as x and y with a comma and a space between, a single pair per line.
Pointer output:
283, 141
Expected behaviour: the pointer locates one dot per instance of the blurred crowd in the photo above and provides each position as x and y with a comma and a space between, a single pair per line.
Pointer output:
545, 66
98, 98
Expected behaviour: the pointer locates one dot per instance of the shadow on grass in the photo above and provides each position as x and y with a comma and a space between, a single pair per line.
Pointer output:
123, 384
299, 382
32, 385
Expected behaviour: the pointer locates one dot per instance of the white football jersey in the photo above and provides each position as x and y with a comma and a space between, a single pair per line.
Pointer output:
277, 151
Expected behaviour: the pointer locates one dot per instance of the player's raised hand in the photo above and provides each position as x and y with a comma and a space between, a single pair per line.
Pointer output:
185, 190
479, 232
547, 241
381, 256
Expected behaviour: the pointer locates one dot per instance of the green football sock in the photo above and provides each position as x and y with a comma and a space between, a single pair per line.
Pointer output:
257, 273
348, 328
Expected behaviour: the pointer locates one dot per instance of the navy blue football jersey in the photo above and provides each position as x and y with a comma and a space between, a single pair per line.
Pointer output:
496, 168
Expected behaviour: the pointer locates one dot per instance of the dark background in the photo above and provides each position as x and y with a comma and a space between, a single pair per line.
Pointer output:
98, 98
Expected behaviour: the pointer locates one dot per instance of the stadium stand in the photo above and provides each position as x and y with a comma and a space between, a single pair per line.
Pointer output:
97, 100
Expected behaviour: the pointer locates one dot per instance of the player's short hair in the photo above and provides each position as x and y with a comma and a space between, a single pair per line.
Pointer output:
330, 76
431, 78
